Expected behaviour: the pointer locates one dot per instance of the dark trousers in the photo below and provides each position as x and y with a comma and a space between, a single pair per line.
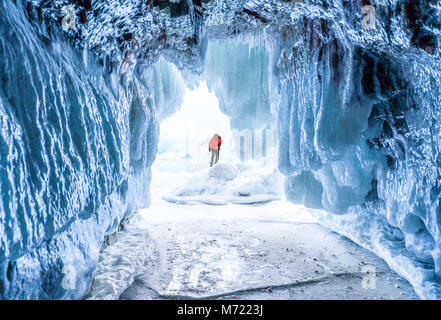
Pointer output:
214, 156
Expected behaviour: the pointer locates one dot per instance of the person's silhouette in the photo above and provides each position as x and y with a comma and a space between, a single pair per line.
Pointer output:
214, 147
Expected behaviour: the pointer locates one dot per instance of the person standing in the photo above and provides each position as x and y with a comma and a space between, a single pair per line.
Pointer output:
214, 147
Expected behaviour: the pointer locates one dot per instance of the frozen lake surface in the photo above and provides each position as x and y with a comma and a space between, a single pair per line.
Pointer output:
264, 250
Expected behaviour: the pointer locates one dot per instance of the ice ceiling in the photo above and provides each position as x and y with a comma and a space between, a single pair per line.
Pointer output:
357, 113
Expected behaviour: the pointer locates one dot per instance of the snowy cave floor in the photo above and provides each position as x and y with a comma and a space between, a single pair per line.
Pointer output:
274, 250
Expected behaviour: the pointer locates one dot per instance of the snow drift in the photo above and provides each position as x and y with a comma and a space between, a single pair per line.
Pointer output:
357, 110
226, 183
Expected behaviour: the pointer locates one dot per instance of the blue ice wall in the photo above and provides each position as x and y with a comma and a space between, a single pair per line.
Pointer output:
359, 134
76, 144
239, 74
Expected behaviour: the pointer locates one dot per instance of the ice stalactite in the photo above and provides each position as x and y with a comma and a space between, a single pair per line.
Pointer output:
167, 85
239, 74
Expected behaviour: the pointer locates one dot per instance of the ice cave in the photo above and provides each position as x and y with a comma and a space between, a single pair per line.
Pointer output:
329, 169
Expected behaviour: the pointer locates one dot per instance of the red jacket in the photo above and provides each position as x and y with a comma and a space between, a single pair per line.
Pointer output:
213, 144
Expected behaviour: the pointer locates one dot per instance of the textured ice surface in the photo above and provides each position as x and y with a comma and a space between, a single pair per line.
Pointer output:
375, 234
238, 73
358, 134
75, 155
167, 85
358, 117
233, 252
128, 254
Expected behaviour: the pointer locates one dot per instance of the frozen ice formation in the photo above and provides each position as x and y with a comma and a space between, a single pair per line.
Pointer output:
167, 87
238, 73
355, 92
76, 148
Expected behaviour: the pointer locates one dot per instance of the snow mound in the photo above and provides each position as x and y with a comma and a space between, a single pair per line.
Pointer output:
224, 171
225, 183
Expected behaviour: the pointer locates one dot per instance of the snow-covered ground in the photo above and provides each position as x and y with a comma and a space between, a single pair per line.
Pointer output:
183, 246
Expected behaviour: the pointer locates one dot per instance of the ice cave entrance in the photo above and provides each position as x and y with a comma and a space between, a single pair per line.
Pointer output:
247, 169
227, 231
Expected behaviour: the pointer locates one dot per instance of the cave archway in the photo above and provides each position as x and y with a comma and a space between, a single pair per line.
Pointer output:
343, 115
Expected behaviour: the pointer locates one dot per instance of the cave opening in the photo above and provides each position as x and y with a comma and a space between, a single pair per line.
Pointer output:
231, 99
183, 156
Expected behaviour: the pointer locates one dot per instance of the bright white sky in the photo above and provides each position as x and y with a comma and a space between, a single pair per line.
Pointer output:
192, 126
199, 115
